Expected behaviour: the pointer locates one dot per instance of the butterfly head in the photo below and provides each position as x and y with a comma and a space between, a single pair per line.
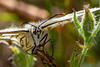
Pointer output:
36, 31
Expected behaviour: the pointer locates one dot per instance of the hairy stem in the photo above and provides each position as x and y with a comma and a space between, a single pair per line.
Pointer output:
82, 56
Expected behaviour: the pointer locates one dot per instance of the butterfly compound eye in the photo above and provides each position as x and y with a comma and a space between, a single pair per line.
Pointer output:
34, 31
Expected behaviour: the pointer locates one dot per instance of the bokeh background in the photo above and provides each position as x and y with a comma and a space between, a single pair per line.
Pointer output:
13, 12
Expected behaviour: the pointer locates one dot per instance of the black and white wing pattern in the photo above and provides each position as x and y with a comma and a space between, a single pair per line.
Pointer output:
18, 36
66, 19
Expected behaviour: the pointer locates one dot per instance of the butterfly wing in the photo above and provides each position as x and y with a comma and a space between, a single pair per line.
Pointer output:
18, 36
65, 19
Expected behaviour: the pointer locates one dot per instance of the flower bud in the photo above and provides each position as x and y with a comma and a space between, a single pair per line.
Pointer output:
88, 23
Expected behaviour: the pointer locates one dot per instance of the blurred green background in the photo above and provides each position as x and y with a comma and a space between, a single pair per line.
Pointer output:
63, 38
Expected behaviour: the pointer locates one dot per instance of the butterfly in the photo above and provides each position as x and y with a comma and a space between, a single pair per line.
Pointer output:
33, 34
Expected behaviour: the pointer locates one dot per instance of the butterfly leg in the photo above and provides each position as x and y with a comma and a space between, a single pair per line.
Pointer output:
45, 40
33, 49
51, 44
34, 44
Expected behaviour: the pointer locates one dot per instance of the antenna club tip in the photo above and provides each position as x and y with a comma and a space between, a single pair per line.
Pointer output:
63, 13
22, 23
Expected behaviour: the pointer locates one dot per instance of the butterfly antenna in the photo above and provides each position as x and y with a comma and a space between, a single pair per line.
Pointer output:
27, 22
23, 23
32, 25
51, 18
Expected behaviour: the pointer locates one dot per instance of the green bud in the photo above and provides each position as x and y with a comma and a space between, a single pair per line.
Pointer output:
20, 58
88, 23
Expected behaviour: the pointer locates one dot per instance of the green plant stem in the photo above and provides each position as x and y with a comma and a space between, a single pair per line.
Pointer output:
73, 59
30, 60
82, 56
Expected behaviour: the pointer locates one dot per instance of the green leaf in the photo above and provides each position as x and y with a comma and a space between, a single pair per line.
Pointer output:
78, 26
94, 33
